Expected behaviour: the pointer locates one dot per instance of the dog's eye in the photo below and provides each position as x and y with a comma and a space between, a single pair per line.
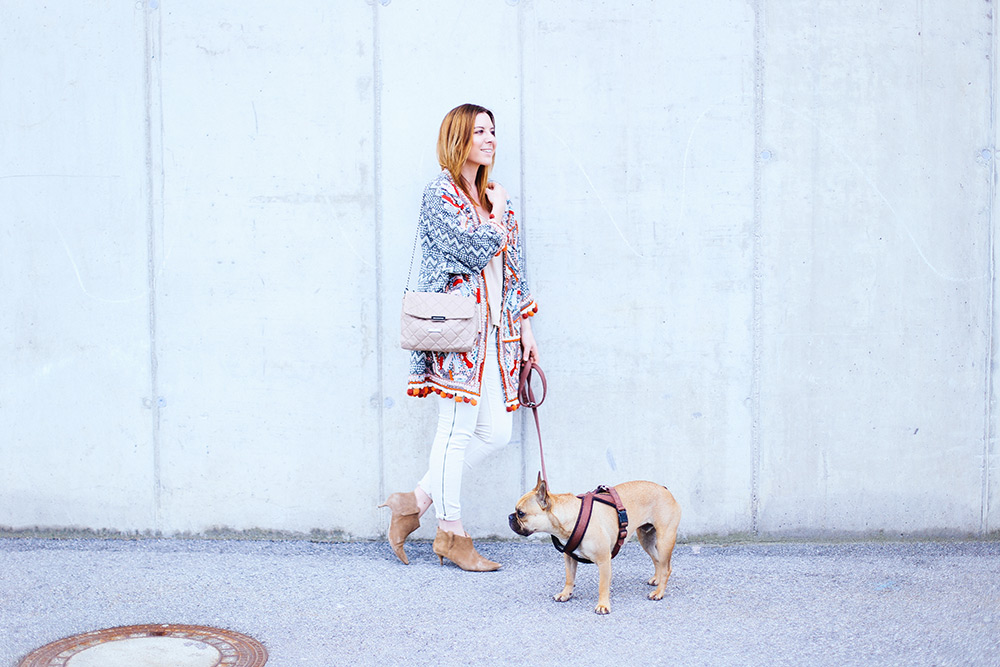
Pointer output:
520, 514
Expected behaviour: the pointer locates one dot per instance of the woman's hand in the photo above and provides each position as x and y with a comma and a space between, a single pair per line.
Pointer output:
529, 348
498, 198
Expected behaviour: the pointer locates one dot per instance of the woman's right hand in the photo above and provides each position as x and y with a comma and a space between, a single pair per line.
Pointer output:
498, 198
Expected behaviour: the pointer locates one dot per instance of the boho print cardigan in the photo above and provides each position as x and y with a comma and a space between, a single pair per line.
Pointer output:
456, 246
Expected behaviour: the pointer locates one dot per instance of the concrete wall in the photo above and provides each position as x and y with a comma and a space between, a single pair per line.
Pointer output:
761, 234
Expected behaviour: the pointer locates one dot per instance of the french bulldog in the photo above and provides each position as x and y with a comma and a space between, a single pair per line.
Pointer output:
653, 515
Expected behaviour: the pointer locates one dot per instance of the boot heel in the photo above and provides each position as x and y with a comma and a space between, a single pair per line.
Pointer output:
405, 520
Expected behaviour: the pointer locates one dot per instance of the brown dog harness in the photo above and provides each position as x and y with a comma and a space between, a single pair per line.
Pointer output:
601, 494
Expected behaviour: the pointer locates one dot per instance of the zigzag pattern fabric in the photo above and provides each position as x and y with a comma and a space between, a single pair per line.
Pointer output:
456, 246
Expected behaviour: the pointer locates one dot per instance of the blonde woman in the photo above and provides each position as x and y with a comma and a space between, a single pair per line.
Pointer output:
470, 243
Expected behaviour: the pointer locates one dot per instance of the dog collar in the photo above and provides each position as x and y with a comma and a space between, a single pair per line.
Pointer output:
601, 494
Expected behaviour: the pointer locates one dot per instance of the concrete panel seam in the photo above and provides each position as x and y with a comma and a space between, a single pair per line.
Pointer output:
755, 381
523, 203
379, 286
989, 432
154, 217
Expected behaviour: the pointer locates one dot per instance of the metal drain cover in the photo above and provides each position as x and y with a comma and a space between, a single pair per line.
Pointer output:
151, 646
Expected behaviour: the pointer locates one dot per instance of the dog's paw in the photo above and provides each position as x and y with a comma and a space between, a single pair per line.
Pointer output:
562, 596
602, 609
655, 595
653, 582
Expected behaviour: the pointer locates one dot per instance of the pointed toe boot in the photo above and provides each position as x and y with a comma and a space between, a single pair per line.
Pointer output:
405, 520
460, 551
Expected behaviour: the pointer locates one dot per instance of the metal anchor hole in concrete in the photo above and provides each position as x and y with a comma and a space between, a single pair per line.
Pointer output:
151, 646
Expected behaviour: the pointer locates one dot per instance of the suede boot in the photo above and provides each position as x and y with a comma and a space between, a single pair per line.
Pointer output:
405, 520
459, 550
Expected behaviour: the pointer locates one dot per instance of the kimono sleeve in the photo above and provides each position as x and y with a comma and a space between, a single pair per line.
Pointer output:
526, 301
454, 233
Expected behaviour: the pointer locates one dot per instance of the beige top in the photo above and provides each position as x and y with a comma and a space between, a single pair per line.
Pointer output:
494, 288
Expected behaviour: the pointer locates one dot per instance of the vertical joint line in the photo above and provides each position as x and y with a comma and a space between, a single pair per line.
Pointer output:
989, 432
153, 131
377, 186
524, 240
755, 402
524, 209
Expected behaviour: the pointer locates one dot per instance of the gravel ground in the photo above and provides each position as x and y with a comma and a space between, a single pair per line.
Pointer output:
353, 603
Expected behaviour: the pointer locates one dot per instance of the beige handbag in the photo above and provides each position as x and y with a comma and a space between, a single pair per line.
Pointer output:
437, 321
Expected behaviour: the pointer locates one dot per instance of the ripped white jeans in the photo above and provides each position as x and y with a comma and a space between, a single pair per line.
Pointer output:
466, 434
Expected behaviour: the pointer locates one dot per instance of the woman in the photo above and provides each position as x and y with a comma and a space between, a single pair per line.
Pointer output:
470, 242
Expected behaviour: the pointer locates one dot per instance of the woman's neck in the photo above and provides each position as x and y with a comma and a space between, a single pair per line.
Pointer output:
469, 172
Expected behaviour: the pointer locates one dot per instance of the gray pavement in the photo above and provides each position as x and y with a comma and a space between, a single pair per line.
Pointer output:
353, 603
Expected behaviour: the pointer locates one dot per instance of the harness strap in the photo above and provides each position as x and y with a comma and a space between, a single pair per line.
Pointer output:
616, 502
582, 521
601, 494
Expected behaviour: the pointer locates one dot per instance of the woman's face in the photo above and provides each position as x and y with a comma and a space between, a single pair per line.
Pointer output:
484, 141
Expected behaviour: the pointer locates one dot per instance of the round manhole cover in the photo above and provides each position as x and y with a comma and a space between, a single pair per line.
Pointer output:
151, 646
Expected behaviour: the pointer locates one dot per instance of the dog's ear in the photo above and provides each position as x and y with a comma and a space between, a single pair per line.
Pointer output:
540, 485
542, 493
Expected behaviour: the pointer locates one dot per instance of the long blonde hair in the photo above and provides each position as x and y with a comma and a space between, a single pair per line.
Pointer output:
454, 145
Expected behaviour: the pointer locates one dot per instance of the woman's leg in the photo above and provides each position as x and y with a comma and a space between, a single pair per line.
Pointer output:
443, 480
466, 435
424, 501
494, 423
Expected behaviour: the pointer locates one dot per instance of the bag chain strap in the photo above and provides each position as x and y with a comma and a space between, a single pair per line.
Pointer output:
409, 274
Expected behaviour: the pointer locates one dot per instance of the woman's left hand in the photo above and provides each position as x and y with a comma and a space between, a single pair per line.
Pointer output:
529, 348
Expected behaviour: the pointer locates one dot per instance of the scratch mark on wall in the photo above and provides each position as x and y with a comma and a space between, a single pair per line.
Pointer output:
79, 277
885, 200
143, 292
682, 207
593, 188
354, 250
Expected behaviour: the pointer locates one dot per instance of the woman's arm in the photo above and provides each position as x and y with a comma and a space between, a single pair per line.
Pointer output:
529, 348
470, 246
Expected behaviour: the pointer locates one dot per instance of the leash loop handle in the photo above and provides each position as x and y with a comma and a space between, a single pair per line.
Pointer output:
524, 393
526, 397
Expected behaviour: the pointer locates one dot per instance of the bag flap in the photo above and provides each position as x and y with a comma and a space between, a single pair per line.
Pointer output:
427, 305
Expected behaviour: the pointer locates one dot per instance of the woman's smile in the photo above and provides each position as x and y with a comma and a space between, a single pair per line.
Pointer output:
484, 141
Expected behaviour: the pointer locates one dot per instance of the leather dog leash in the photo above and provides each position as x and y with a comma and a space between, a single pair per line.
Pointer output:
527, 398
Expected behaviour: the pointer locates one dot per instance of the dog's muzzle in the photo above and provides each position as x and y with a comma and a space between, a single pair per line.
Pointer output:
516, 526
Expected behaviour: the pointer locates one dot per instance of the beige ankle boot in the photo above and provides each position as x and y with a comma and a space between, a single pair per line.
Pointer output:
405, 520
459, 550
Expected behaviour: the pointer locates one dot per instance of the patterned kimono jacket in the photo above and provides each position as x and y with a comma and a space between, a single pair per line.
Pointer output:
456, 246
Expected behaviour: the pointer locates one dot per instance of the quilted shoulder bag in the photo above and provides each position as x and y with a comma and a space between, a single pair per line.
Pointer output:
437, 321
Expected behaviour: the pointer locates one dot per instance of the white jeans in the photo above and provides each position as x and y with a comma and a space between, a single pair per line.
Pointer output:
466, 434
